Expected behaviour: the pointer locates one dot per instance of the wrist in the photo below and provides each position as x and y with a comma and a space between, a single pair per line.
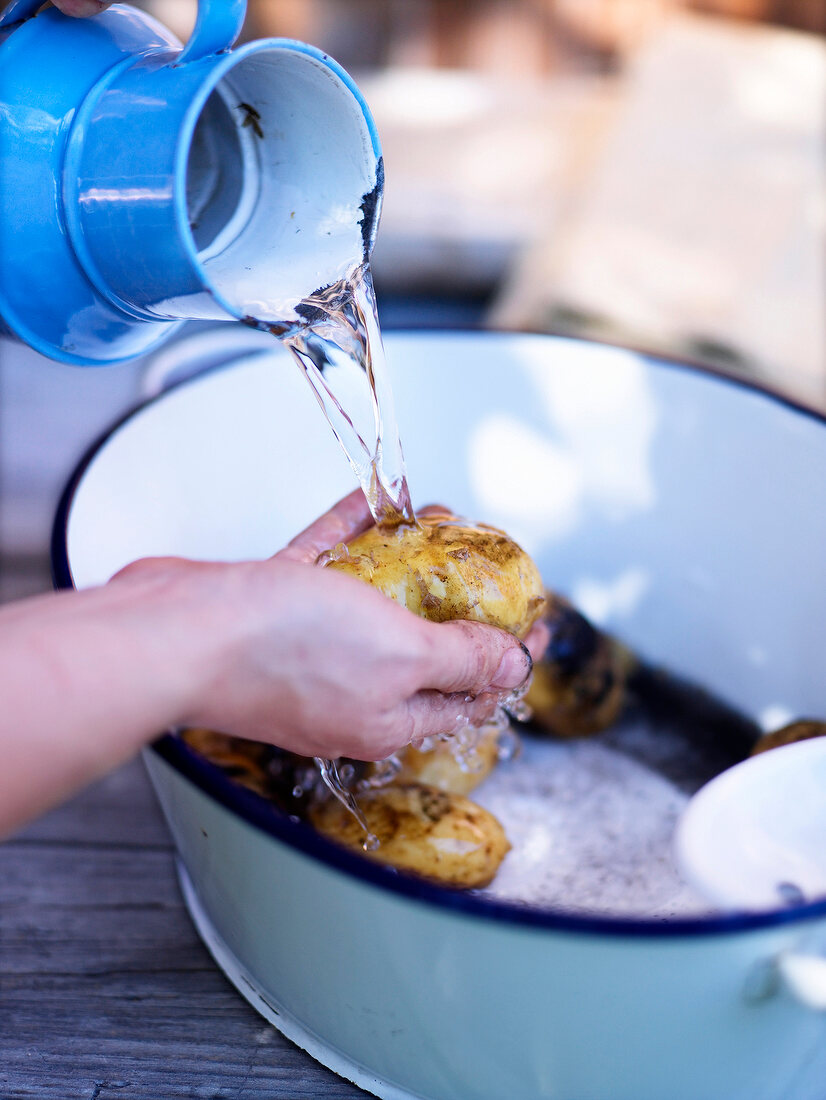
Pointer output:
166, 611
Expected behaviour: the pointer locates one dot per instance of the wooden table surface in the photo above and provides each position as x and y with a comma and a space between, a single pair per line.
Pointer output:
106, 992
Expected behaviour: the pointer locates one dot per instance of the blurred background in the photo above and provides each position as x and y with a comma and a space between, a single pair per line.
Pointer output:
649, 172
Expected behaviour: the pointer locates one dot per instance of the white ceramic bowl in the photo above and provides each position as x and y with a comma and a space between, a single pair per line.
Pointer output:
683, 510
755, 836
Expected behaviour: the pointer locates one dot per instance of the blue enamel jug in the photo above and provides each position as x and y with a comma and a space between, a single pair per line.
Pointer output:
143, 184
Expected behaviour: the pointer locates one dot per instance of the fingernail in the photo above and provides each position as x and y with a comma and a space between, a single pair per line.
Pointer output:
514, 668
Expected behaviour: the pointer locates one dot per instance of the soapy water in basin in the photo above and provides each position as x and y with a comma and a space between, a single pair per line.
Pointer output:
590, 821
591, 826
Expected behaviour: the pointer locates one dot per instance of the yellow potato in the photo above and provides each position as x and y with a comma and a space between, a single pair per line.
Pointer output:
448, 769
431, 832
802, 730
578, 685
446, 568
439, 836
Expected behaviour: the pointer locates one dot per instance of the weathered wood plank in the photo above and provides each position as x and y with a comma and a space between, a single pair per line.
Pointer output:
106, 992
120, 810
207, 1044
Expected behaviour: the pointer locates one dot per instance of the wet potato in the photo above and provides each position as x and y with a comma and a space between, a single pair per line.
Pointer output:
579, 684
439, 767
445, 568
439, 836
243, 761
442, 568
271, 772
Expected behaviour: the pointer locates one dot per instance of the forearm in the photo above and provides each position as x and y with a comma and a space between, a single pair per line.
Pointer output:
86, 679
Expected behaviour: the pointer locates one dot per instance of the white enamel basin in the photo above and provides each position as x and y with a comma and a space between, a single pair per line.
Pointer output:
686, 512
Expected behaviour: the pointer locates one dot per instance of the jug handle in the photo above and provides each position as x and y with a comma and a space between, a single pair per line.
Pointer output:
217, 26
17, 11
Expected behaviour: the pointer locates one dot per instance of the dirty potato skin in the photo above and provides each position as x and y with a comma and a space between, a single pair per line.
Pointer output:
802, 730
442, 837
579, 684
446, 568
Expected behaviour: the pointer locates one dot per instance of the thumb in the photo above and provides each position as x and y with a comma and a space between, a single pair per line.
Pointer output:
82, 8
472, 658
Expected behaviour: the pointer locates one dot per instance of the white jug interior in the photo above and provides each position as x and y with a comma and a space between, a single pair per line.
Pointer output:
281, 176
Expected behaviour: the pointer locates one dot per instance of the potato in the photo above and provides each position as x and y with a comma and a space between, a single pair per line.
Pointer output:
286, 780
439, 767
802, 730
243, 761
579, 684
447, 568
439, 836
434, 833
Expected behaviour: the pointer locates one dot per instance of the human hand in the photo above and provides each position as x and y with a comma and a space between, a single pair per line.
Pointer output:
281, 651
318, 662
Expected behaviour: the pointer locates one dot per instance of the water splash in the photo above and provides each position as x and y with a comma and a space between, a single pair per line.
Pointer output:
329, 771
